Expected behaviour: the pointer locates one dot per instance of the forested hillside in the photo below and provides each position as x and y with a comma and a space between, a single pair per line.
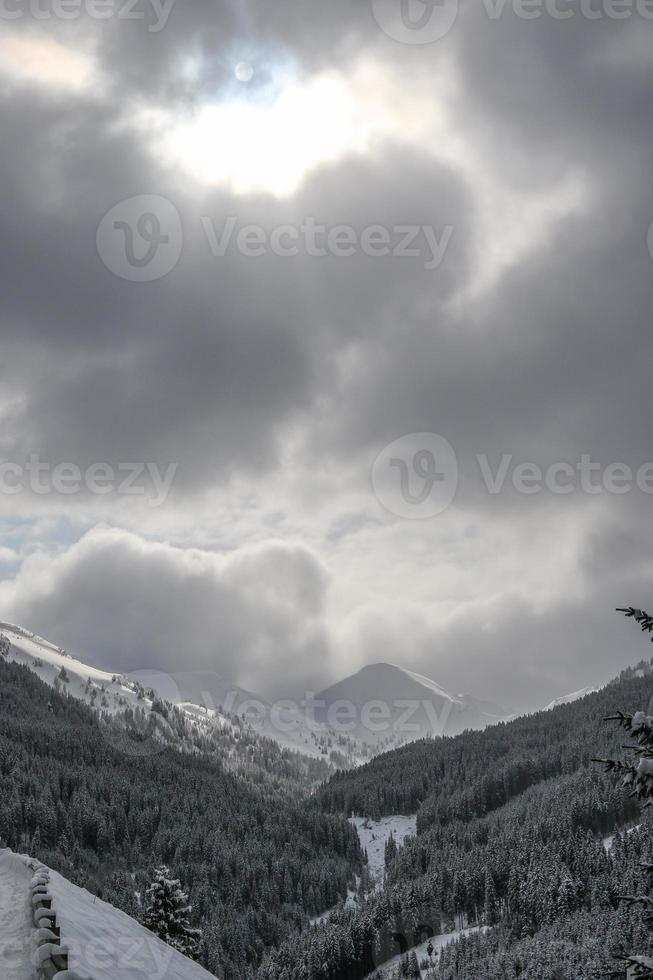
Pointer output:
476, 772
510, 825
511, 836
256, 858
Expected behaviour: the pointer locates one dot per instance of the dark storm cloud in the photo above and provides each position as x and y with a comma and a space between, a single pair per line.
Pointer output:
202, 367
212, 365
549, 368
118, 601
529, 659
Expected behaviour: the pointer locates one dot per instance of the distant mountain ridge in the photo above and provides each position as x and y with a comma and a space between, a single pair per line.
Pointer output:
210, 708
570, 698
392, 705
385, 705
379, 707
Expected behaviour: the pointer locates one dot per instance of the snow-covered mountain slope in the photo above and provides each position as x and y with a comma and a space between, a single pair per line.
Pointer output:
387, 705
207, 700
101, 942
384, 705
99, 688
569, 698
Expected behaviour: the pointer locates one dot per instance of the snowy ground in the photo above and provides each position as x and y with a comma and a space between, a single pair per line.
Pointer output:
15, 918
374, 834
609, 841
439, 942
106, 944
102, 943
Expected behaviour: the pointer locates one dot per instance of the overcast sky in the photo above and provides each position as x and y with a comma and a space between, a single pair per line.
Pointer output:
449, 274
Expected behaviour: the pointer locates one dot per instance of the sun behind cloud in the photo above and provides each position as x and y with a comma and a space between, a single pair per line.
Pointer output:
250, 146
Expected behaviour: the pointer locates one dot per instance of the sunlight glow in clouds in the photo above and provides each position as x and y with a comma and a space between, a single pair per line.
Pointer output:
254, 142
252, 147
45, 62
248, 144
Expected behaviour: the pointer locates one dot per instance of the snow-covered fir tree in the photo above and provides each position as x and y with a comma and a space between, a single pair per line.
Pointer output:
167, 913
638, 777
390, 850
490, 904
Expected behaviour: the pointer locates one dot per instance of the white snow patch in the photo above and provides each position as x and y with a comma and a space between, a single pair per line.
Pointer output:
570, 698
439, 942
106, 944
427, 683
15, 918
608, 842
373, 835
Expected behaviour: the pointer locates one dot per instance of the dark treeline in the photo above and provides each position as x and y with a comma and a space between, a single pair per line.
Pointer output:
511, 824
577, 946
535, 868
473, 773
255, 857
510, 829
240, 748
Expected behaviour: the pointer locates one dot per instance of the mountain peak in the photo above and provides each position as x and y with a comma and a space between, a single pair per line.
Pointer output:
415, 705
